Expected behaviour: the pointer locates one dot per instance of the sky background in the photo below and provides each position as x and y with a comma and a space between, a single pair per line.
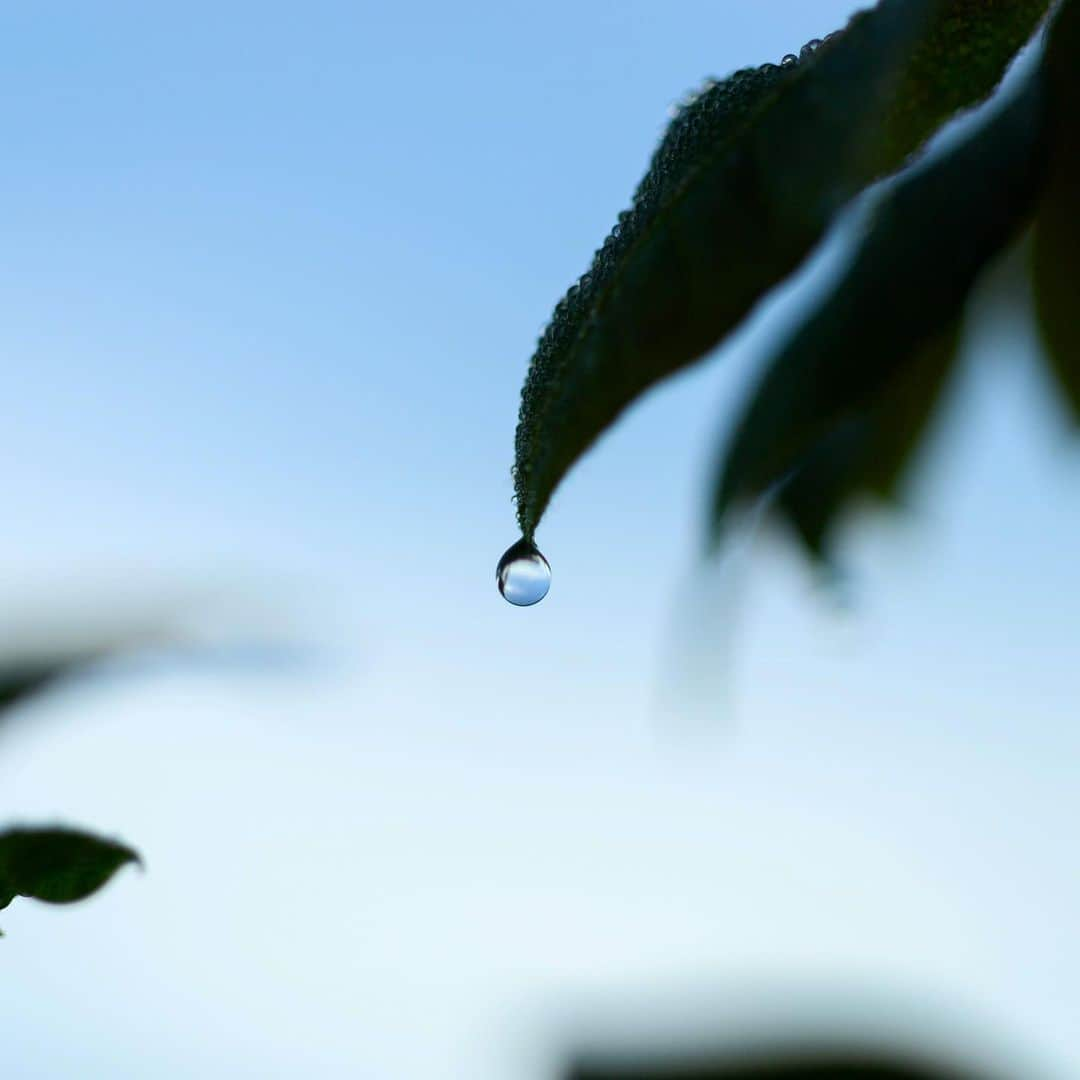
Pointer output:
272, 275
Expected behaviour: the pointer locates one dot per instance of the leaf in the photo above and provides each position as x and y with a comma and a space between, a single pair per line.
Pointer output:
49, 654
871, 453
780, 1064
42, 652
743, 185
1056, 248
841, 407
57, 865
24, 678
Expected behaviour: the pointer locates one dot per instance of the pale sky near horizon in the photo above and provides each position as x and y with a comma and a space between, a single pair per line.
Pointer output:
272, 277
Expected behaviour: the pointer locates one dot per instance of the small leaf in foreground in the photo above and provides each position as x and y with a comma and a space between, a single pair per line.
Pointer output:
57, 865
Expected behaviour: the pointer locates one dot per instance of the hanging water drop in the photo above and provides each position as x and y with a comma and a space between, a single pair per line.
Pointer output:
523, 574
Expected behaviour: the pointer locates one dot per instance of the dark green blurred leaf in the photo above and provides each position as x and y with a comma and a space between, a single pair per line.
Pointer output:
840, 409
24, 678
779, 1065
1056, 249
743, 185
44, 649
57, 865
869, 454
48, 654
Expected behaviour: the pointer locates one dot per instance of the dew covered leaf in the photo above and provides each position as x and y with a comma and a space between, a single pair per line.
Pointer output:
743, 185
57, 865
840, 408
1056, 247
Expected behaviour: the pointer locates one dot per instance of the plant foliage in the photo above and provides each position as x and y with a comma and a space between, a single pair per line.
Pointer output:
749, 176
841, 406
54, 864
779, 1065
57, 865
1056, 248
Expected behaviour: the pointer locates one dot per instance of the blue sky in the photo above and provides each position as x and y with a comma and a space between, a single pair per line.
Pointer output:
272, 277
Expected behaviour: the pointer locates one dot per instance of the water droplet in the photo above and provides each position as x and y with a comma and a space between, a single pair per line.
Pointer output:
789, 61
523, 574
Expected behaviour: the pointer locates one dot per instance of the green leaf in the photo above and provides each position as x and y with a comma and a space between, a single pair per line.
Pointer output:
841, 407
780, 1064
57, 865
1056, 247
25, 678
871, 452
746, 180
47, 656
40, 654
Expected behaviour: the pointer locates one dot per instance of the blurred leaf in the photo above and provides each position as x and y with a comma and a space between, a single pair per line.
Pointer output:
49, 653
780, 1065
1056, 249
42, 650
57, 865
869, 454
840, 409
744, 183
24, 678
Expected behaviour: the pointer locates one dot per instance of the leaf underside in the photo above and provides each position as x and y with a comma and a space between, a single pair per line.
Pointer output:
841, 408
869, 453
749, 175
1055, 268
